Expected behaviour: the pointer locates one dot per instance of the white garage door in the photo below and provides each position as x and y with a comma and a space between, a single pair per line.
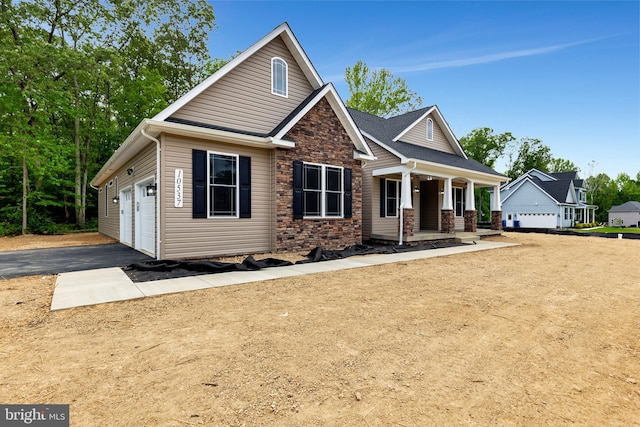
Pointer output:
538, 220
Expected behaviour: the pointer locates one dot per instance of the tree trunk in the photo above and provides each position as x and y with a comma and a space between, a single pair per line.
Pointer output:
25, 189
78, 202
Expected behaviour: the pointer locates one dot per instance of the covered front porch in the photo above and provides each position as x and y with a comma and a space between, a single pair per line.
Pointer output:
421, 202
425, 236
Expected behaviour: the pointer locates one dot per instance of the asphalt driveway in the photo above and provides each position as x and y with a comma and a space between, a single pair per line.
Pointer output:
32, 262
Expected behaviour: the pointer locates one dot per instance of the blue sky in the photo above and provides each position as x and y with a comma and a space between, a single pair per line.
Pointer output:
567, 73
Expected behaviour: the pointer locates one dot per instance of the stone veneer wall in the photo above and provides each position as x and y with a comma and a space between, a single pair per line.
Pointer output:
470, 221
408, 222
496, 220
448, 221
319, 138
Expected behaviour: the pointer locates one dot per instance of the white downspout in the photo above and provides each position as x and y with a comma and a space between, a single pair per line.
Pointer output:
158, 192
406, 192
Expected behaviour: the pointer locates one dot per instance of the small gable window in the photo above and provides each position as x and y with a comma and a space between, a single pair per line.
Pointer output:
430, 129
279, 77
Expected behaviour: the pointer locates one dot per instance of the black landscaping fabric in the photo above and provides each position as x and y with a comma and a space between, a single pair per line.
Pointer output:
169, 269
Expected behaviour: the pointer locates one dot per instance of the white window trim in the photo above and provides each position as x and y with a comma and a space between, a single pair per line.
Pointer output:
398, 197
323, 191
429, 129
286, 77
209, 185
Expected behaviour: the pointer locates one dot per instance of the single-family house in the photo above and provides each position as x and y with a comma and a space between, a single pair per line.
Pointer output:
421, 178
263, 156
625, 215
539, 199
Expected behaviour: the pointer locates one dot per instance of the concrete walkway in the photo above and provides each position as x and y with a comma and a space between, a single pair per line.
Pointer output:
104, 285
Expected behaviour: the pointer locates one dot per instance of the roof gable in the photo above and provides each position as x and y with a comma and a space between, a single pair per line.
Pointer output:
411, 128
284, 32
526, 185
331, 94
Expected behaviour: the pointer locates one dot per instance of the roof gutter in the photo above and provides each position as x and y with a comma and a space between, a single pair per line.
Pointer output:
149, 128
158, 192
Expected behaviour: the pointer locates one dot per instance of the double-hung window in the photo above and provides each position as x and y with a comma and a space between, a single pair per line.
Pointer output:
323, 190
279, 77
392, 197
223, 185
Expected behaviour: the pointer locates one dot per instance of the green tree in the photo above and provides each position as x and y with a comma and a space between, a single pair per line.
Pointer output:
378, 93
75, 79
558, 164
532, 153
484, 146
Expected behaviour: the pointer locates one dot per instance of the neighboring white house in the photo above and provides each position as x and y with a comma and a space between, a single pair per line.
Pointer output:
545, 200
625, 215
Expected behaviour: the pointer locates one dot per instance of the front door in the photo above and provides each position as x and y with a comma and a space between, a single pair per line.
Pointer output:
125, 217
429, 207
145, 219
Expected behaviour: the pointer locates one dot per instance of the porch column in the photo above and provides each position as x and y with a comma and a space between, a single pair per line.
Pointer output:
447, 217
470, 216
496, 209
407, 190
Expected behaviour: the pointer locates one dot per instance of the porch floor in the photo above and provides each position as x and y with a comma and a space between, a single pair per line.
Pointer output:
435, 235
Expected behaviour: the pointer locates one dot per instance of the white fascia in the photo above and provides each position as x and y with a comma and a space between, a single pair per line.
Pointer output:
136, 141
343, 115
289, 39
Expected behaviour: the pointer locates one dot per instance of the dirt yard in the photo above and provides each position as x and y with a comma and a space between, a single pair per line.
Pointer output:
544, 333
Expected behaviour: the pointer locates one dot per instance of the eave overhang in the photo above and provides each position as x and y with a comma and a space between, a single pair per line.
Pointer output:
136, 141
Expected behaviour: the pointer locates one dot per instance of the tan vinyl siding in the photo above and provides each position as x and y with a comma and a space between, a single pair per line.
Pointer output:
186, 237
144, 166
242, 99
418, 135
372, 222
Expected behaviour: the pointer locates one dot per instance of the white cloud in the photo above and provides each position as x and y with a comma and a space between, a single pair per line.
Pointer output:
485, 59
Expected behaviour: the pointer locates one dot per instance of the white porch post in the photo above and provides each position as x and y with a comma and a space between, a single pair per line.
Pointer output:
447, 200
406, 191
471, 198
496, 205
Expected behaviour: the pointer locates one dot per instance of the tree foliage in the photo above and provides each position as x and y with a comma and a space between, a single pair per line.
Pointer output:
75, 78
532, 154
485, 146
558, 164
377, 92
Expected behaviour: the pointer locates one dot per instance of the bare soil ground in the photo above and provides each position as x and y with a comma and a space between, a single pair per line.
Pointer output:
544, 333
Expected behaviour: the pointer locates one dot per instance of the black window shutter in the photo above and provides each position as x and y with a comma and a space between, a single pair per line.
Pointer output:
383, 198
298, 190
245, 187
199, 178
347, 193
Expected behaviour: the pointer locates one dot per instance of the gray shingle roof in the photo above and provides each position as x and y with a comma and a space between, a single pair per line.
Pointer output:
556, 189
385, 130
626, 207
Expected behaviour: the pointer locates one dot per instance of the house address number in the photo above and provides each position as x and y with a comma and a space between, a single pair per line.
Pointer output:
179, 194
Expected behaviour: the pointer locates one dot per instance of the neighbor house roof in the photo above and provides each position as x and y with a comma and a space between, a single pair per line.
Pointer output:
389, 132
626, 207
559, 190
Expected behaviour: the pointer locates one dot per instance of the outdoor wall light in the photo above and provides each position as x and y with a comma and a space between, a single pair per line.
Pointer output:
151, 189
416, 189
115, 200
129, 171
